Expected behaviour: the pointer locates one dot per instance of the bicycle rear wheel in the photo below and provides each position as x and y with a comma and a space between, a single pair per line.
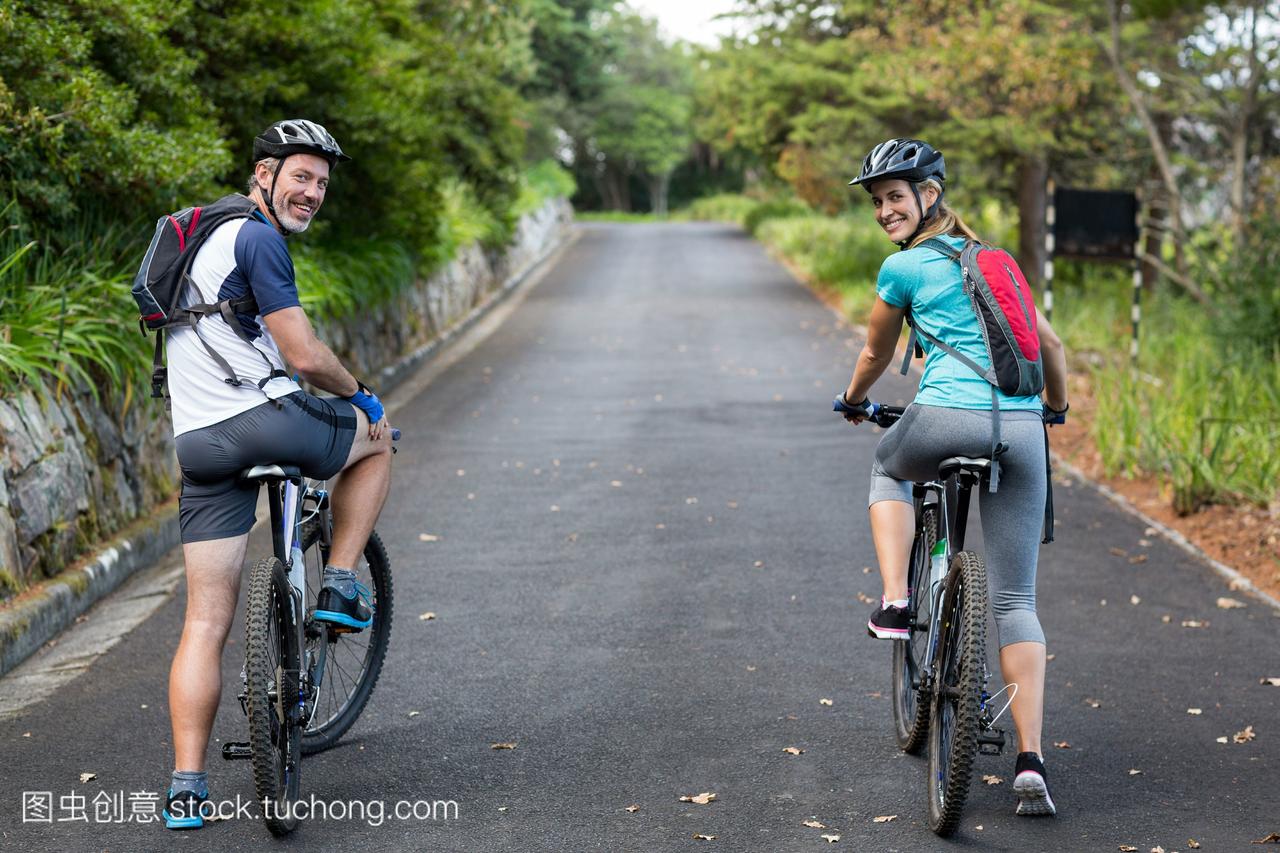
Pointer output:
272, 669
953, 723
346, 664
910, 706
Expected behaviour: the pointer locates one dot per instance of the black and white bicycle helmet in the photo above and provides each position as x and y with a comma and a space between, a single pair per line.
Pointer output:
904, 159
297, 136
910, 160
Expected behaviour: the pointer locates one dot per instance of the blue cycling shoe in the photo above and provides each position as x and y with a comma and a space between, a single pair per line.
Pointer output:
354, 613
184, 810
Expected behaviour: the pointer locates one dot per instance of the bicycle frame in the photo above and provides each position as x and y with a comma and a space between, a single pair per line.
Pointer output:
952, 498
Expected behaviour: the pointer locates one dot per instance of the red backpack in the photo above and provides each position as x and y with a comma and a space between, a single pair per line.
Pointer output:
1006, 313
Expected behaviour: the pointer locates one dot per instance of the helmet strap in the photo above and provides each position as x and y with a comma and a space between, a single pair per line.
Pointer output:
270, 199
925, 216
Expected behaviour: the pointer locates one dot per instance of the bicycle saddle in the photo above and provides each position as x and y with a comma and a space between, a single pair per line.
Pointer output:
267, 473
977, 465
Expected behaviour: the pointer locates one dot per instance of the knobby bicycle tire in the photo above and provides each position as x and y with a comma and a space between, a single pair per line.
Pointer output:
353, 660
271, 667
911, 707
953, 724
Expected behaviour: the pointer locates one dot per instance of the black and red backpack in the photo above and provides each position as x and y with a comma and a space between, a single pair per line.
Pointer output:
165, 274
1006, 313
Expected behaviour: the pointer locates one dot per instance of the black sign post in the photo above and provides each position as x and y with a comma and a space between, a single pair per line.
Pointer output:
1095, 225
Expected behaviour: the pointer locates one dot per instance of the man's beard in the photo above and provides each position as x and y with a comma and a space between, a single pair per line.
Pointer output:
288, 222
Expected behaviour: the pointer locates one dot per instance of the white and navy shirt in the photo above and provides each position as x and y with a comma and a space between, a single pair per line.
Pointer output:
240, 256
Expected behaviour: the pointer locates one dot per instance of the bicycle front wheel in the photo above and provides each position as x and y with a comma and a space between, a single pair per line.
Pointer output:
953, 723
344, 665
910, 706
272, 669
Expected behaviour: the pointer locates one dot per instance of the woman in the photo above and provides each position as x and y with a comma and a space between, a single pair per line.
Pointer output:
951, 415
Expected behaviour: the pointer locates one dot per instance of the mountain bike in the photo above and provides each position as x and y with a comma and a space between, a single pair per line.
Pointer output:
304, 681
940, 673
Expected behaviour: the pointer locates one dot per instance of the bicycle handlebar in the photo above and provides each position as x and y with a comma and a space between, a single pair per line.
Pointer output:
879, 414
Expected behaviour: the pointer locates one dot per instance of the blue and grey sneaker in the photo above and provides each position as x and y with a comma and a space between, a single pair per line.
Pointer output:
353, 613
184, 810
1031, 786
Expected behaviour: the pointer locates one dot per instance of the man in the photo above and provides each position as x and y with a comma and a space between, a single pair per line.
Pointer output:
223, 426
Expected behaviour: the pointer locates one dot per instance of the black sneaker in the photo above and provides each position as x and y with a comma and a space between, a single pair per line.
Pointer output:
184, 810
353, 613
1031, 786
888, 622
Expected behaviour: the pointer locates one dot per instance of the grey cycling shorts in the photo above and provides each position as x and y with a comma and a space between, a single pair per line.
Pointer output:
312, 433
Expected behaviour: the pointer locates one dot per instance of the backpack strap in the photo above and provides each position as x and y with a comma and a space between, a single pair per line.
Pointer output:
1048, 494
943, 247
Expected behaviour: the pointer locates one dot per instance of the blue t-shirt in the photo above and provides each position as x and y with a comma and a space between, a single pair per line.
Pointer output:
929, 283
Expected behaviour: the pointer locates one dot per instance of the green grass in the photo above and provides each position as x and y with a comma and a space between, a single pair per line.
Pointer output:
616, 216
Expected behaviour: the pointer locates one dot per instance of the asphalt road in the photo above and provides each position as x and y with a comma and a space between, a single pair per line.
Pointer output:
651, 543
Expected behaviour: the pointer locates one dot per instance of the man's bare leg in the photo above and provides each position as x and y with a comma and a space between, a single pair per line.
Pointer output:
195, 679
359, 493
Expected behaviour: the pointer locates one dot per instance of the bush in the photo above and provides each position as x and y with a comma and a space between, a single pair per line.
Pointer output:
778, 208
726, 207
842, 252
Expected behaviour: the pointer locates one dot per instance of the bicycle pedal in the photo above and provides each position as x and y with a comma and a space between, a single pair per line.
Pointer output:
991, 741
236, 751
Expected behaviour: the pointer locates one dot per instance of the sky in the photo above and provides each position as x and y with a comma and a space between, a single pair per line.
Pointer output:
687, 19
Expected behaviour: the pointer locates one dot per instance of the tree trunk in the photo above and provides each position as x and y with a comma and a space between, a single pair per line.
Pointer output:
658, 187
1033, 174
1158, 148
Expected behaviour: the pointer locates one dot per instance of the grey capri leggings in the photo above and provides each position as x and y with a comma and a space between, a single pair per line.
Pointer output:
1011, 518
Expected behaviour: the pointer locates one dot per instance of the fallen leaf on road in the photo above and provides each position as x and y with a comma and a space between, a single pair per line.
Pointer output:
503, 808
866, 599
1195, 711
1137, 558
831, 839
793, 750
1274, 682
1135, 772
415, 714
991, 780
701, 799
1273, 838
733, 504
572, 537
633, 809
876, 695
1223, 739
426, 617
813, 824
1050, 657
866, 570
884, 818
1230, 603
1061, 744
555, 508
698, 836
1157, 849
1134, 600
759, 564
660, 526
826, 702
1193, 844
1093, 703
1244, 736
1195, 623
691, 501
617, 484
461, 473
1128, 848
428, 537
1166, 618
511, 745
85, 777
1145, 543
1118, 552
26, 734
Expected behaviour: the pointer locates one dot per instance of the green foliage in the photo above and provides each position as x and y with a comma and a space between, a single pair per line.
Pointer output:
542, 182
725, 207
65, 313
775, 208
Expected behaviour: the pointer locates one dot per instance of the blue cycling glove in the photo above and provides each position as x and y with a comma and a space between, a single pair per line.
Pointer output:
367, 402
1054, 417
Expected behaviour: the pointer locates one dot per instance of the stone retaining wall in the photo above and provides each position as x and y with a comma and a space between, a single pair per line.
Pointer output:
76, 470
